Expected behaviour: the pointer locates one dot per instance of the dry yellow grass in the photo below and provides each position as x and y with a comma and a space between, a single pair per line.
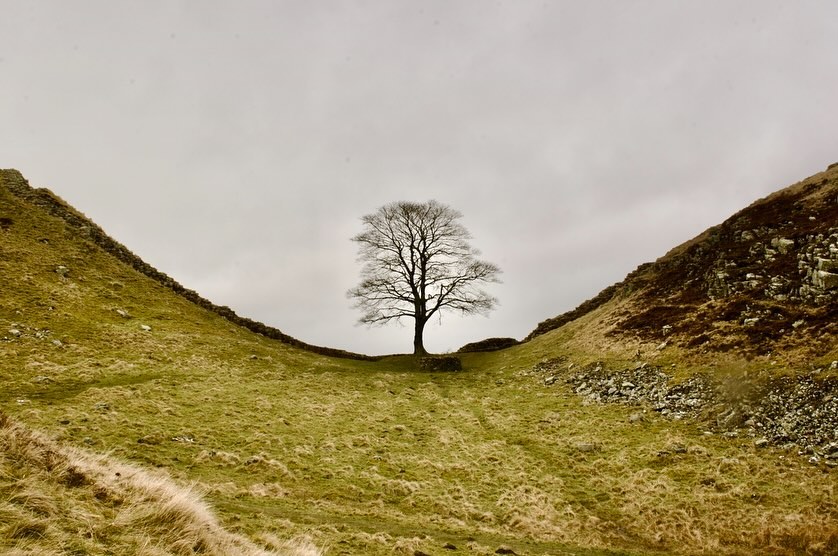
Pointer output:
63, 500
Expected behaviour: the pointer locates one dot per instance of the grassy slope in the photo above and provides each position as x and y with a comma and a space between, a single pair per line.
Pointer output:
373, 458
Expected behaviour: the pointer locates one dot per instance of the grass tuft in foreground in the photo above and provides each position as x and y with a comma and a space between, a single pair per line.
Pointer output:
60, 500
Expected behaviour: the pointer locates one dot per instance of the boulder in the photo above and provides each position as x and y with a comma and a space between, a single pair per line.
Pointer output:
825, 280
782, 244
829, 265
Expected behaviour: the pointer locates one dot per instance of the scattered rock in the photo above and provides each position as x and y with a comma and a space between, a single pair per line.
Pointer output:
145, 328
636, 418
801, 410
62, 271
102, 406
15, 332
57, 343
505, 550
187, 438
449, 546
123, 313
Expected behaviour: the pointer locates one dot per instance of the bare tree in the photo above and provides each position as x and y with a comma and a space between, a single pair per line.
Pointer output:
417, 263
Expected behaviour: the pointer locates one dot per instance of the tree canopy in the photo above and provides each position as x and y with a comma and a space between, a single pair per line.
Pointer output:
417, 263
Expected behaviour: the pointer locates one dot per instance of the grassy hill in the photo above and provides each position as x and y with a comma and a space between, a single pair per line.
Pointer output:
288, 445
764, 283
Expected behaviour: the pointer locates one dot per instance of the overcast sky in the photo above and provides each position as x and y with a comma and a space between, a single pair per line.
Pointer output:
235, 145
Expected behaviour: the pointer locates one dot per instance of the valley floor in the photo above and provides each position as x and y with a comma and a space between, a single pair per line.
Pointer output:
381, 458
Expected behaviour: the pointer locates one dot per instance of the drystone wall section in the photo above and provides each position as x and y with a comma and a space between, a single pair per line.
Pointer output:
49, 202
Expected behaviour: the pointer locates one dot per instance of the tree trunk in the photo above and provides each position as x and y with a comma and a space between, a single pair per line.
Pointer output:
418, 343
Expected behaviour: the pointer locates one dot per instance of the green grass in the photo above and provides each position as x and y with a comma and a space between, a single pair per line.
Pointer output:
376, 458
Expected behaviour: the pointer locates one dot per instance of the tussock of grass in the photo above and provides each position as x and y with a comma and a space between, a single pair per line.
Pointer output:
60, 500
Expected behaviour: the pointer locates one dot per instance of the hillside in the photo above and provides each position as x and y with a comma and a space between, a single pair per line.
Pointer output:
737, 327
359, 457
46, 200
763, 282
